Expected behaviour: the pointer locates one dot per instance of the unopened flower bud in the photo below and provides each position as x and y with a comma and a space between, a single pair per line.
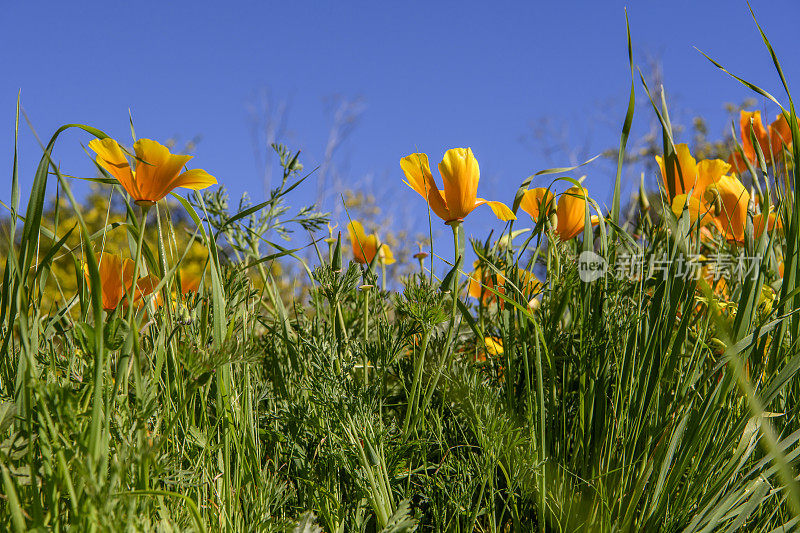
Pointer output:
713, 198
644, 203
534, 305
504, 242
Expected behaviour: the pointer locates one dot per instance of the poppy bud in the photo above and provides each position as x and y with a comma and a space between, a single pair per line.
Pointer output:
553, 220
713, 198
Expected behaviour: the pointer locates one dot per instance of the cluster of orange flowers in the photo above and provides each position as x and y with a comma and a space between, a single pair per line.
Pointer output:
157, 172
711, 194
459, 197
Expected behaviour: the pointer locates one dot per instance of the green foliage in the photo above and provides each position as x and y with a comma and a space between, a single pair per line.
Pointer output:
643, 403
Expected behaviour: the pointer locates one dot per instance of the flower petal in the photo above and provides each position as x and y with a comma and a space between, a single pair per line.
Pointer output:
418, 174
685, 172
157, 169
737, 163
571, 213
194, 179
536, 200
697, 208
709, 171
364, 246
189, 282
145, 286
494, 345
735, 201
771, 220
500, 210
475, 280
112, 158
385, 254
757, 127
110, 268
460, 174
780, 135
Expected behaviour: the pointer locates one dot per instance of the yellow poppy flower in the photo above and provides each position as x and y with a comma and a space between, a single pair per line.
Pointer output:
157, 170
691, 176
534, 201
460, 175
116, 278
366, 246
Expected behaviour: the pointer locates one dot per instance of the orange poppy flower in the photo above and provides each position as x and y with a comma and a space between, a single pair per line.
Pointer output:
534, 201
771, 139
529, 284
460, 174
366, 246
734, 200
690, 176
571, 213
189, 282
725, 203
759, 223
570, 210
116, 278
157, 172
698, 209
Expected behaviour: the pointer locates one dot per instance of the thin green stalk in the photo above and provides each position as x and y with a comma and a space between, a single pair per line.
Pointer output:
366, 335
454, 323
415, 384
123, 362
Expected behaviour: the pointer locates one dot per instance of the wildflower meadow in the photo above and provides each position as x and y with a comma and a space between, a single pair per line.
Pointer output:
628, 365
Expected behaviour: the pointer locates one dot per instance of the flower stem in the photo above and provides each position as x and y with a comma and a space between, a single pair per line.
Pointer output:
454, 323
131, 296
415, 384
365, 362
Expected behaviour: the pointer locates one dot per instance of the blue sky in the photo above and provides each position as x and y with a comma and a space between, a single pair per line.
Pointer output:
430, 75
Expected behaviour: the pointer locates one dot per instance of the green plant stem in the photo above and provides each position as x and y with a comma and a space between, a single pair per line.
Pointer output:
123, 363
454, 323
365, 361
415, 384
339, 317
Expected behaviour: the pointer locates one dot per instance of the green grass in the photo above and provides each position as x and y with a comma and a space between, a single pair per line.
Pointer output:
340, 405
